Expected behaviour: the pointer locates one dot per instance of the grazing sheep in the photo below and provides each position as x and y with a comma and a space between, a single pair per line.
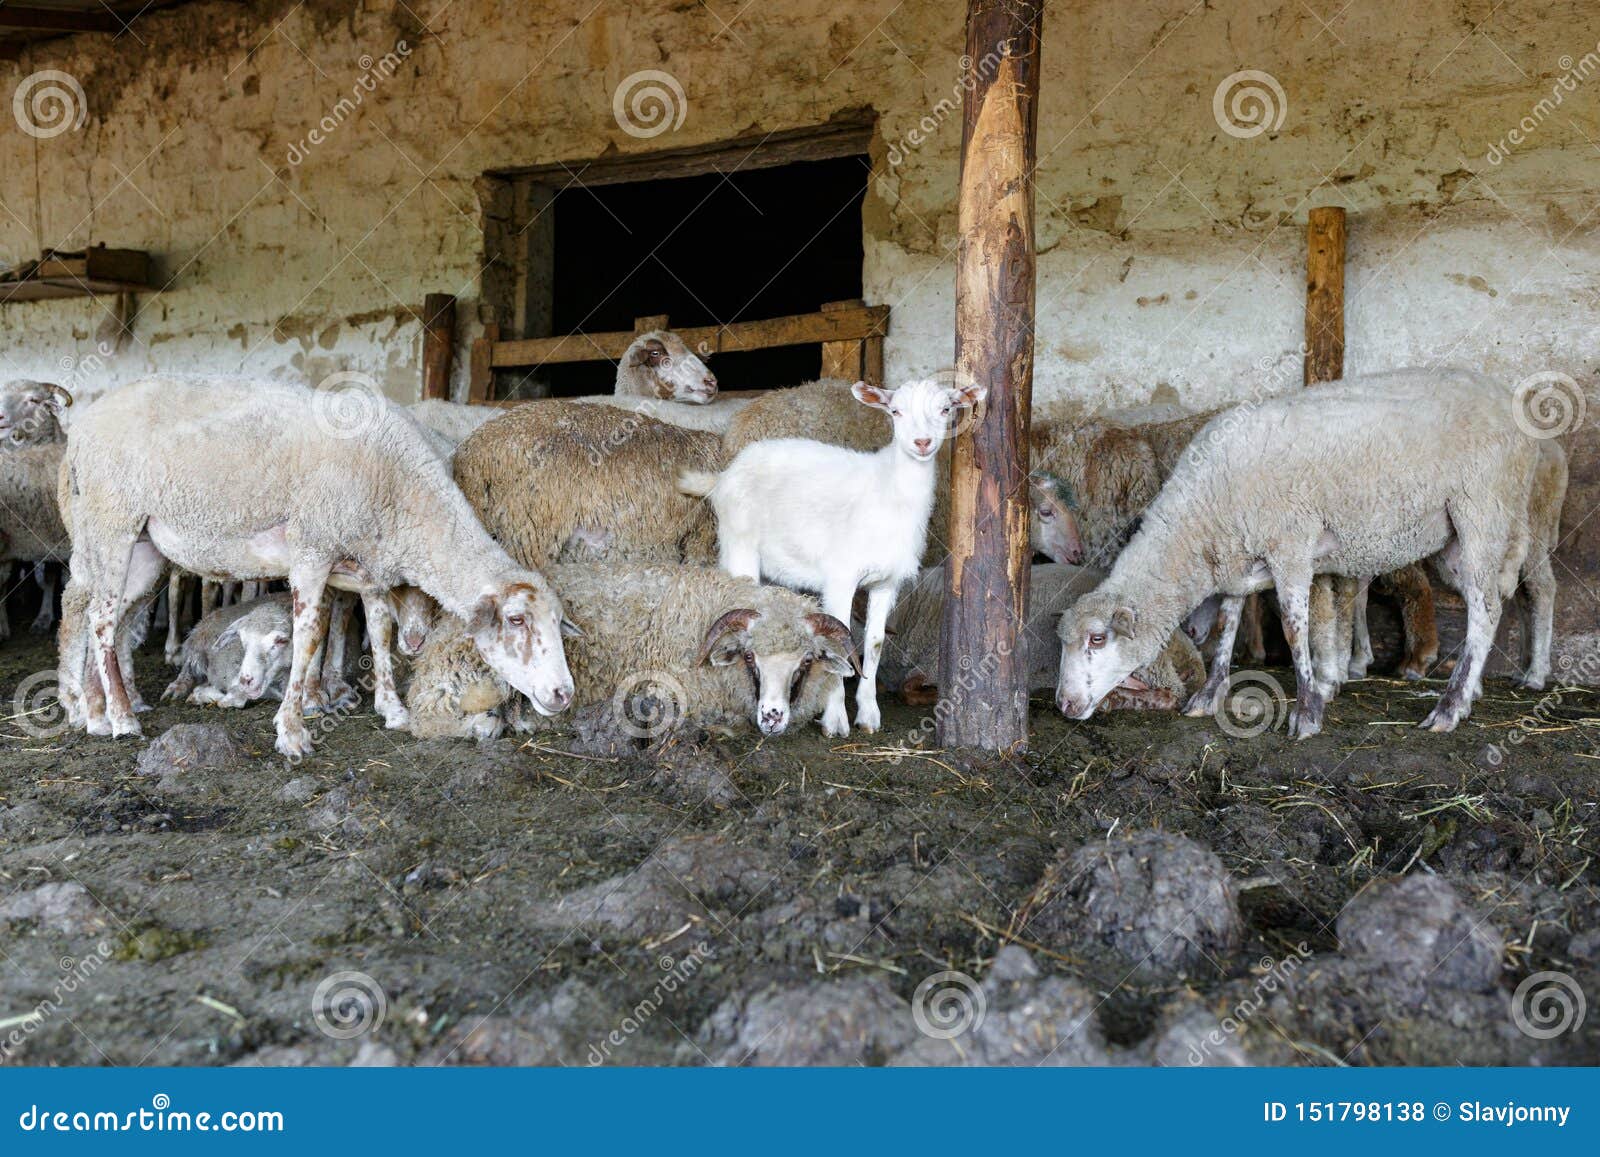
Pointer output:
236, 654
832, 520
452, 421
1348, 479
364, 509
665, 645
31, 528
911, 654
30, 412
556, 481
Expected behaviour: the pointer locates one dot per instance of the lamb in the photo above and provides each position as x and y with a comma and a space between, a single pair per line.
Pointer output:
365, 509
665, 646
827, 519
31, 528
1349, 479
236, 654
30, 412
911, 656
556, 481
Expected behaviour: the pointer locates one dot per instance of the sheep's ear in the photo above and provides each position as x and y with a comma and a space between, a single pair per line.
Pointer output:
869, 395
484, 614
1124, 620
838, 649
231, 635
570, 629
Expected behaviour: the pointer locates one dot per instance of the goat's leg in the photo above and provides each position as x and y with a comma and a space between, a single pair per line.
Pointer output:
306, 584
836, 599
1208, 699
880, 601
1360, 636
44, 574
1294, 610
380, 628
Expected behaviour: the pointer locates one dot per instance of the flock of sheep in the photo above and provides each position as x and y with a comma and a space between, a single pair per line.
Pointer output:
566, 553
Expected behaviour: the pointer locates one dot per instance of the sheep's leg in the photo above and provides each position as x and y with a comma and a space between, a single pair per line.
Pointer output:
1208, 699
1411, 585
880, 601
836, 600
82, 707
1360, 636
380, 626
45, 574
1537, 600
1485, 559
1294, 610
306, 584
210, 596
1323, 619
105, 615
340, 695
1255, 641
176, 588
145, 568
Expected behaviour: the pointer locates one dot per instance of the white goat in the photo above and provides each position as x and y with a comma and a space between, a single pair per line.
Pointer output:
363, 509
823, 518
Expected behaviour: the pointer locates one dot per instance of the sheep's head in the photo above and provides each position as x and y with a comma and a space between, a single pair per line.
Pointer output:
1052, 524
30, 412
265, 636
517, 625
790, 664
414, 614
1200, 622
923, 411
659, 365
1102, 645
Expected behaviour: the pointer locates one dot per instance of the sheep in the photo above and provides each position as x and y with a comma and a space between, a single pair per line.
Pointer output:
236, 654
911, 656
451, 421
30, 412
557, 481
659, 369
709, 649
1347, 479
31, 527
364, 507
828, 519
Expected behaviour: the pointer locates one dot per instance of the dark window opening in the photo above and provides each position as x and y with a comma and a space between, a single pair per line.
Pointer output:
707, 249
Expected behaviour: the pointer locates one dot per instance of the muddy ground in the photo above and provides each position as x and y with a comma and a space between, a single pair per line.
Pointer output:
1138, 889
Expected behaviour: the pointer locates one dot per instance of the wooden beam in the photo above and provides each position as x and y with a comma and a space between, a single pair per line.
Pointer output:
844, 359
480, 388
799, 329
59, 20
986, 574
438, 344
1325, 237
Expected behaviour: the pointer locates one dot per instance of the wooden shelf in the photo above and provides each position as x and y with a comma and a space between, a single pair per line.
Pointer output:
95, 271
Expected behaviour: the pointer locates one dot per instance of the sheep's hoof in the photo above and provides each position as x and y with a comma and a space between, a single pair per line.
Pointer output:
339, 696
1304, 722
172, 657
1531, 682
1441, 718
868, 717
487, 726
294, 744
1203, 702
396, 718
125, 728
41, 626
1355, 671
98, 725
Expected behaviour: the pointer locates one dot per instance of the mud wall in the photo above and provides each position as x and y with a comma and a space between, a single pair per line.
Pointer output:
307, 172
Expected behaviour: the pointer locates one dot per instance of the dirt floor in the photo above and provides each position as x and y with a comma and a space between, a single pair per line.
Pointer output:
1169, 893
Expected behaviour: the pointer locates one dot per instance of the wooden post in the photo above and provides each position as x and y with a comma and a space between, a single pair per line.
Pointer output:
984, 696
1325, 295
843, 359
481, 387
438, 344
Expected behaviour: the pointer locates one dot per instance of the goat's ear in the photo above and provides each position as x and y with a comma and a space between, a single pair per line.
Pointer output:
484, 614
570, 629
969, 395
1124, 621
869, 395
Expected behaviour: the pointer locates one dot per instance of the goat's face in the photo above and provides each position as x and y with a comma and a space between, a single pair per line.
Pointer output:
674, 372
30, 411
924, 411
517, 627
788, 669
1052, 525
265, 636
414, 614
1100, 648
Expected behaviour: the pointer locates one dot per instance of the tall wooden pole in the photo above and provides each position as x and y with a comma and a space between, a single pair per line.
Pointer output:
438, 344
1325, 295
984, 694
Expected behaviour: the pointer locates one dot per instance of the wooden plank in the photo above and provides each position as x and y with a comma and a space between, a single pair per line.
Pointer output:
986, 574
438, 344
843, 359
480, 388
872, 359
653, 322
1325, 240
799, 329
59, 20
